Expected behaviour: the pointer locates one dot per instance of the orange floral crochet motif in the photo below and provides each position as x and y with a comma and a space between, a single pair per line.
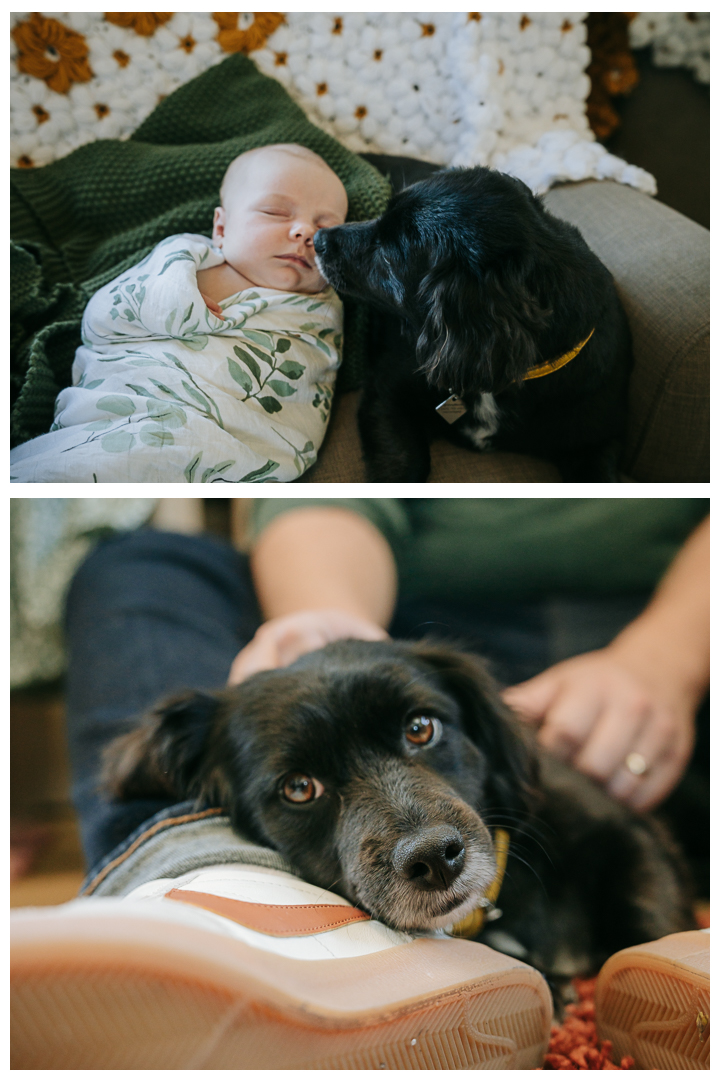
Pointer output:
144, 23
51, 51
252, 33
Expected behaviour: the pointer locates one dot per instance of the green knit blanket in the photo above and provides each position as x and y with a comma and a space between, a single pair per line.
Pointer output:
80, 221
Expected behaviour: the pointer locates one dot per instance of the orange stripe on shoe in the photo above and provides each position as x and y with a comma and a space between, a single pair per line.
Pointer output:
278, 920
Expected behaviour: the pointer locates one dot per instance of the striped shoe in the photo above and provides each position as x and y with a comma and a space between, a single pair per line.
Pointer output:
653, 1001
241, 967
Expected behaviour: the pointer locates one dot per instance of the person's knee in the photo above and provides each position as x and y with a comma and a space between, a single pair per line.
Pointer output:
110, 555
142, 568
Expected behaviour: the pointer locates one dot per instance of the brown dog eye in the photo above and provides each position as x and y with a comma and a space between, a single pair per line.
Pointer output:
299, 788
423, 730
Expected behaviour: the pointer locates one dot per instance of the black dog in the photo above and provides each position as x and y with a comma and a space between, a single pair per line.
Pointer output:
491, 292
379, 771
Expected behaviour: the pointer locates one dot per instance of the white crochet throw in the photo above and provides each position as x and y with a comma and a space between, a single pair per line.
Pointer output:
506, 90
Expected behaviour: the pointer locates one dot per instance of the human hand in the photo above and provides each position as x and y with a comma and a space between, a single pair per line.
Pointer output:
596, 709
281, 641
215, 308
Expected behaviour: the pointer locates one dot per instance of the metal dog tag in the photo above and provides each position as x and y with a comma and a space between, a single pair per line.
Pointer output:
451, 409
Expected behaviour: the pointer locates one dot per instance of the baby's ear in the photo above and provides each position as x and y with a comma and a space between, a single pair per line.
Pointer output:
219, 223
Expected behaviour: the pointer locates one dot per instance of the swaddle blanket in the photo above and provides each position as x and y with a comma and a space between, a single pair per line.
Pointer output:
165, 391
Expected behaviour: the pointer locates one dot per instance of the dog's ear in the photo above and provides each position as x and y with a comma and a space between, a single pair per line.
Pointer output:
481, 327
164, 756
492, 726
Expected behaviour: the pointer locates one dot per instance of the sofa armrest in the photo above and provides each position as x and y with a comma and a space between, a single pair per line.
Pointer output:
660, 262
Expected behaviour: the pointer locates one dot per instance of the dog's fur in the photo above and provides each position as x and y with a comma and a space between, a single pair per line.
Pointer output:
404, 830
479, 283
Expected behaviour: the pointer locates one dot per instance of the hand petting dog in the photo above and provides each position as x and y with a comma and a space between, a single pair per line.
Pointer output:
625, 715
279, 642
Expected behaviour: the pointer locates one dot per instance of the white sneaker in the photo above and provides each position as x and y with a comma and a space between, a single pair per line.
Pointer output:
241, 967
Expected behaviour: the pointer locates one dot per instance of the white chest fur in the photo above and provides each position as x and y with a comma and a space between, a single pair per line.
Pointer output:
486, 416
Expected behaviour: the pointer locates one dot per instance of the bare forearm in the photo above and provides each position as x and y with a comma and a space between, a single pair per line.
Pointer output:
673, 632
324, 557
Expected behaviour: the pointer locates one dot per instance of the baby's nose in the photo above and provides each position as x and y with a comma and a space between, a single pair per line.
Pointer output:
303, 230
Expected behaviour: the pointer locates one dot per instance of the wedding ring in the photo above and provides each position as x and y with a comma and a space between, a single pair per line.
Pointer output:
636, 763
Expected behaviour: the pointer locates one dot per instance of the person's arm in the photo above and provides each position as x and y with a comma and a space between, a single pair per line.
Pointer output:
637, 696
320, 574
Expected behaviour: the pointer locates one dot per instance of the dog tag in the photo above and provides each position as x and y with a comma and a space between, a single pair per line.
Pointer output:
451, 409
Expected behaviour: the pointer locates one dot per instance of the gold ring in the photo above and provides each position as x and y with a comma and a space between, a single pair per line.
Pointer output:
636, 763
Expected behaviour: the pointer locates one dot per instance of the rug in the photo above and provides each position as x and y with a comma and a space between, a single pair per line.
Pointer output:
574, 1044
506, 90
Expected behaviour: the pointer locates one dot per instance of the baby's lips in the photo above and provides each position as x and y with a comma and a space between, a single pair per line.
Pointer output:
300, 258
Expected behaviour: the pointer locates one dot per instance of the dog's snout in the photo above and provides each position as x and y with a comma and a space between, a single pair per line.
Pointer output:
320, 241
431, 859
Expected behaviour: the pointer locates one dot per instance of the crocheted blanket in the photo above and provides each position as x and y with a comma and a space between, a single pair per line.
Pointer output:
81, 221
678, 39
462, 88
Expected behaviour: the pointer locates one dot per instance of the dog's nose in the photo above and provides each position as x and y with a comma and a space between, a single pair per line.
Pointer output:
431, 859
319, 240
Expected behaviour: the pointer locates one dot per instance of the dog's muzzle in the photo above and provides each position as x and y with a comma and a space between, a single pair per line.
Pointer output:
413, 853
432, 858
320, 243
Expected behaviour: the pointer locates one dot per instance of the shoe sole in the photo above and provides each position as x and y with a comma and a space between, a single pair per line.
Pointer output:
138, 993
653, 1002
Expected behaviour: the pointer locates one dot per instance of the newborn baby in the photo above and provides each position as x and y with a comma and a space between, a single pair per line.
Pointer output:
211, 360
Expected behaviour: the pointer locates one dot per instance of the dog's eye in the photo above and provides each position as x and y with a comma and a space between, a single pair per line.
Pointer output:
423, 730
299, 788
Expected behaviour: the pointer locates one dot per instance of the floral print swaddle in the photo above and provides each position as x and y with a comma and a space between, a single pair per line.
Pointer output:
165, 391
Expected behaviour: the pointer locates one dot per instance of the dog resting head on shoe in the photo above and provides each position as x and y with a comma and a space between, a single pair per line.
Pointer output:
374, 768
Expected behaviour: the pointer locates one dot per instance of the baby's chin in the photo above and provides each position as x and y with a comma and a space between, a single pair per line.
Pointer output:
310, 290
289, 277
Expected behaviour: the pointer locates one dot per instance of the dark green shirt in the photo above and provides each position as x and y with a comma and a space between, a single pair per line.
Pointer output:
520, 548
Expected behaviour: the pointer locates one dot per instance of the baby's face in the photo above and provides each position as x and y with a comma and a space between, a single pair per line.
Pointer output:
272, 211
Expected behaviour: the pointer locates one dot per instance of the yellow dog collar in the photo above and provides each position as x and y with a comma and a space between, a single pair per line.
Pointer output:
453, 407
472, 924
549, 366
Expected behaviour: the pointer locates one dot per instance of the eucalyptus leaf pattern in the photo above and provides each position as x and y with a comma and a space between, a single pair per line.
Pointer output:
166, 391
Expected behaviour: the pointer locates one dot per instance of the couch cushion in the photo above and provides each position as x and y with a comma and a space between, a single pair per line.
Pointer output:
340, 460
660, 261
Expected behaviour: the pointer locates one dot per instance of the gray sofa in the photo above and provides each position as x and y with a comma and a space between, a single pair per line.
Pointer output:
660, 261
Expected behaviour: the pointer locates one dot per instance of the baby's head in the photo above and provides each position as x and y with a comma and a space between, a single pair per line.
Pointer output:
274, 199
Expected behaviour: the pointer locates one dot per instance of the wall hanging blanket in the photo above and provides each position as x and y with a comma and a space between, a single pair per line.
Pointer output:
82, 221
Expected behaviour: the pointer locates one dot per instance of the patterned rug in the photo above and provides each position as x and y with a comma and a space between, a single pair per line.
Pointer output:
506, 90
574, 1044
